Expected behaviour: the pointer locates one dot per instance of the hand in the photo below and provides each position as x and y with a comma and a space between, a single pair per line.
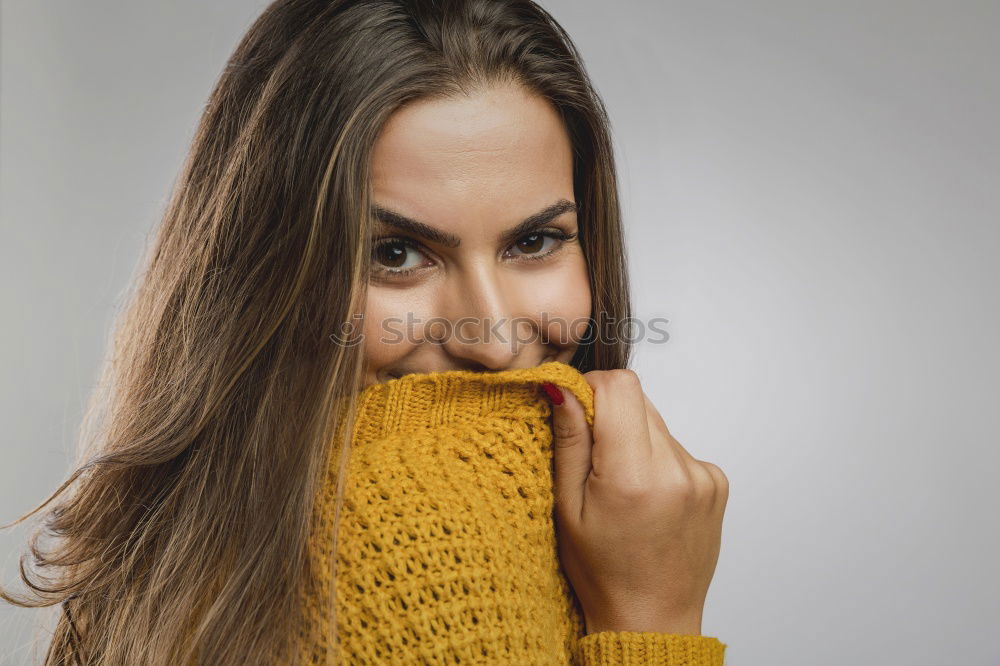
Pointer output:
638, 520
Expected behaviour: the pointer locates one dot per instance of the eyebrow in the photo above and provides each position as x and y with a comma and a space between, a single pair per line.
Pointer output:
426, 231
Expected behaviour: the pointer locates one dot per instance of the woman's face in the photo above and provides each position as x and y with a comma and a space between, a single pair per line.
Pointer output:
476, 264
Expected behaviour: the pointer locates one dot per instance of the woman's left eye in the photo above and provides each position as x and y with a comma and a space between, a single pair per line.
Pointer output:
538, 244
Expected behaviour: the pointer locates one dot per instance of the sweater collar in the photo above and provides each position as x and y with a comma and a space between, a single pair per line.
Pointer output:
428, 400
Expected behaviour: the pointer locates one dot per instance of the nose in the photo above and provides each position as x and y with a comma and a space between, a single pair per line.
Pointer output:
483, 321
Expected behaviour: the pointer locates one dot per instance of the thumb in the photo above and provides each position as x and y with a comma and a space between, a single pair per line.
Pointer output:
572, 441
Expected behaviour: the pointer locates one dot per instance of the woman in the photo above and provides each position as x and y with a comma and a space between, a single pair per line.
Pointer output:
402, 160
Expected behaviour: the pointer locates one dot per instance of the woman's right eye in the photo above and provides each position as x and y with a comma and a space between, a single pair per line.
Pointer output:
395, 256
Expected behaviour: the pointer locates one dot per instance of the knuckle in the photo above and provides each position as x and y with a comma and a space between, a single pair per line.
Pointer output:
618, 377
563, 431
617, 381
688, 487
721, 480
678, 486
626, 377
702, 477
632, 489
637, 495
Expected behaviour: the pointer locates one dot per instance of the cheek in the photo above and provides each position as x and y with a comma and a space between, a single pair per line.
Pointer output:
563, 295
386, 335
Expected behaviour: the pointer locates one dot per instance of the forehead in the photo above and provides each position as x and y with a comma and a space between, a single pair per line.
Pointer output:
500, 146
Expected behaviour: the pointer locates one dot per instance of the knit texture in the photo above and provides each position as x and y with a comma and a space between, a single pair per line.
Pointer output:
447, 548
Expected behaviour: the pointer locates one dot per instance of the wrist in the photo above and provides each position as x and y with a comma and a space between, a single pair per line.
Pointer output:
687, 625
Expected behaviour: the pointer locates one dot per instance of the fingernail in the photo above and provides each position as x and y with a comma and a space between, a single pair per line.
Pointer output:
551, 390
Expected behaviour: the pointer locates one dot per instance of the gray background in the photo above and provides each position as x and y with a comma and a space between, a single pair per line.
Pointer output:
811, 191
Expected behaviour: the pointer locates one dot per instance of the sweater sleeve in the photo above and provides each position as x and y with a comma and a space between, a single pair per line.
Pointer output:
629, 648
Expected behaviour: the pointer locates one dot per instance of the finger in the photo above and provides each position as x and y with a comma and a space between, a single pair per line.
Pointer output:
705, 474
572, 442
622, 449
660, 434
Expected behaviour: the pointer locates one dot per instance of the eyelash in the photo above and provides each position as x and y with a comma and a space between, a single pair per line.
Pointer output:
557, 234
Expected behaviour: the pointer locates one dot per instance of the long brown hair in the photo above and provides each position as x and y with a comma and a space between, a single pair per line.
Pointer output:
181, 535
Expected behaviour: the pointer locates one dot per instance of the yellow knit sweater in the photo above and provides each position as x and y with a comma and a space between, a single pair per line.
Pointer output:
447, 547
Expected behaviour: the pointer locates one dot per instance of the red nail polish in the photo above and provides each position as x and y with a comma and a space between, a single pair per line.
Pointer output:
551, 390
